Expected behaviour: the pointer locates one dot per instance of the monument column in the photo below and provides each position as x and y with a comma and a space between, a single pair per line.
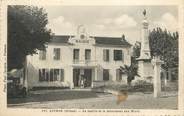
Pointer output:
145, 49
145, 68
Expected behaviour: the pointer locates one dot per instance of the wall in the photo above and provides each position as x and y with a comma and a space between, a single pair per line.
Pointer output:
66, 63
34, 64
111, 64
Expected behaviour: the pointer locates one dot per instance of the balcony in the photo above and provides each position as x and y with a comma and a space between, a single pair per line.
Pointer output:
84, 63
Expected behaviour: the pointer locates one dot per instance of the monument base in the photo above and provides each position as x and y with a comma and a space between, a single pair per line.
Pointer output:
145, 70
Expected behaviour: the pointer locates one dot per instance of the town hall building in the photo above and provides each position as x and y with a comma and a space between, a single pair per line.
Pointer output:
70, 59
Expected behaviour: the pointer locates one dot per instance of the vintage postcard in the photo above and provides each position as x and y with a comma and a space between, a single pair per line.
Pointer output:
92, 57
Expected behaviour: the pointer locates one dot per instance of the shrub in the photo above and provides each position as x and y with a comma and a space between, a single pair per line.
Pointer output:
142, 86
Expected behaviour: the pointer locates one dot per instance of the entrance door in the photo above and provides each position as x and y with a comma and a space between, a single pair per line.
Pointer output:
76, 73
88, 77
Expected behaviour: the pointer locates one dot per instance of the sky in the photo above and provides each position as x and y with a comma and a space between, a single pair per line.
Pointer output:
111, 21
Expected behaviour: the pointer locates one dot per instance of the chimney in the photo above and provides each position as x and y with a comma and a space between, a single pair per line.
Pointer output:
123, 38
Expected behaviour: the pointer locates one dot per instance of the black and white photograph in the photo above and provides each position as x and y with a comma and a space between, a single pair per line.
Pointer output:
92, 57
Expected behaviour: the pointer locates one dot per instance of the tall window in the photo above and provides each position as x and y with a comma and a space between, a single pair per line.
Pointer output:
56, 53
47, 74
105, 74
56, 75
87, 54
118, 55
42, 76
62, 75
76, 54
42, 54
106, 55
51, 75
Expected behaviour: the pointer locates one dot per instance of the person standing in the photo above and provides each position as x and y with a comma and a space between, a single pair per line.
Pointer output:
82, 81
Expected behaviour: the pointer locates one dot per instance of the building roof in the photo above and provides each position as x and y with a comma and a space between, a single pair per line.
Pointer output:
60, 39
111, 41
99, 40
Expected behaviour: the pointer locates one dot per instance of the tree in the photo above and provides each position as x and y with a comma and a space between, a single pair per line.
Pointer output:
27, 33
131, 71
164, 44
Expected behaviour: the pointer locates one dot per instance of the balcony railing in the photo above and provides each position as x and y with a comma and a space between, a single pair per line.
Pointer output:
84, 62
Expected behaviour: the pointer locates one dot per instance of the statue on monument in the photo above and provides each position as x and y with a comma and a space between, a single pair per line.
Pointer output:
144, 12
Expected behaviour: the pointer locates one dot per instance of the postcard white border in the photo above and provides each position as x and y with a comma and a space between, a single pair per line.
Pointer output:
4, 111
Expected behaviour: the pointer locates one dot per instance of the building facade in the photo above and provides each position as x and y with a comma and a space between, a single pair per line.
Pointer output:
68, 60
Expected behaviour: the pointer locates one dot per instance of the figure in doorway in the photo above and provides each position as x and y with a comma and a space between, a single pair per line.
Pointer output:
82, 81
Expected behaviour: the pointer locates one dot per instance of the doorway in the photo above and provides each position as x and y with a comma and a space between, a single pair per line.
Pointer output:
76, 74
88, 77
82, 74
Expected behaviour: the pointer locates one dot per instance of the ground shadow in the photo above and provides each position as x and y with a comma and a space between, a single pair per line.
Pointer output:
53, 96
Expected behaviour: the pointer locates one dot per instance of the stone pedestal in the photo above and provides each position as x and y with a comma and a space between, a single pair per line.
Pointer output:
145, 69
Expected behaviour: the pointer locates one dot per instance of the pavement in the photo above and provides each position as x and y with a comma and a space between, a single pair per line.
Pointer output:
86, 99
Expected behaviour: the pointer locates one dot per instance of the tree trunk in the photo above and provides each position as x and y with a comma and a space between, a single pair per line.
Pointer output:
25, 73
129, 81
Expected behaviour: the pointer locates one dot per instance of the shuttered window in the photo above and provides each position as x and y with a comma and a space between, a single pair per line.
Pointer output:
105, 74
76, 54
106, 55
87, 54
41, 74
118, 55
56, 53
51, 75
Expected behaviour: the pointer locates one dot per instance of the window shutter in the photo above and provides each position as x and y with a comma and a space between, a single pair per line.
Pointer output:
76, 54
62, 75
122, 56
107, 55
104, 55
114, 54
54, 54
87, 54
105, 74
40, 75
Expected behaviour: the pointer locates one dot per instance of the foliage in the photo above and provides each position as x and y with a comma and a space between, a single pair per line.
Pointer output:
141, 82
165, 44
131, 71
27, 32
115, 86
